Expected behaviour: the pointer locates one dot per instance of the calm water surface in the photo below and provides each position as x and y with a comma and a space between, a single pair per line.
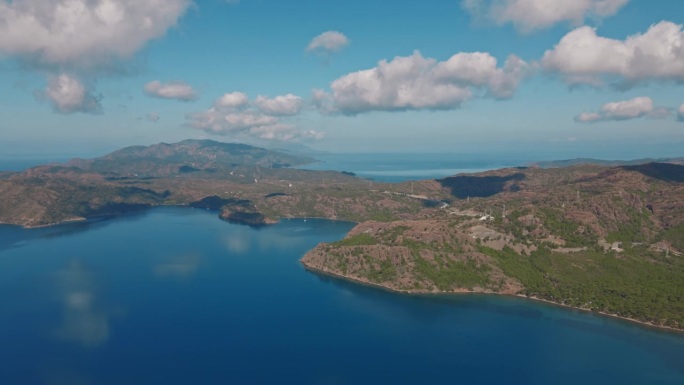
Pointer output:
176, 296
390, 167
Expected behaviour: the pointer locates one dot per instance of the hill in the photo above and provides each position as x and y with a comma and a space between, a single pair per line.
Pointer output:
188, 156
601, 162
606, 239
187, 172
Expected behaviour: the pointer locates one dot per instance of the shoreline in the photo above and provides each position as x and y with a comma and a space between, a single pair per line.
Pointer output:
30, 227
379, 286
85, 219
469, 292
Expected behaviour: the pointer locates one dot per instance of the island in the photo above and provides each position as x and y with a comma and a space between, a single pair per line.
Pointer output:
607, 238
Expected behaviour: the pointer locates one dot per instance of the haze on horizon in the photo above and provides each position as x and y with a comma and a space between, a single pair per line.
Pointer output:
580, 78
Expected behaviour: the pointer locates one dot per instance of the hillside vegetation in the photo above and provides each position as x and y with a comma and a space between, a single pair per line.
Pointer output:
601, 238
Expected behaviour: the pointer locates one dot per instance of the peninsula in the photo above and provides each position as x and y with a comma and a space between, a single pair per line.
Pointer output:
605, 238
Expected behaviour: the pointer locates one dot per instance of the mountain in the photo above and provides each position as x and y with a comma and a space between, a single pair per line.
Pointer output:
186, 157
600, 238
137, 177
600, 162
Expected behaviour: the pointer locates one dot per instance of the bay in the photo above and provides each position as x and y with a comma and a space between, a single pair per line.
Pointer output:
400, 167
176, 296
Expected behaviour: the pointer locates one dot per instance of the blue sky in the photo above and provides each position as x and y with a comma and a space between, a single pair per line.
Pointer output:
83, 77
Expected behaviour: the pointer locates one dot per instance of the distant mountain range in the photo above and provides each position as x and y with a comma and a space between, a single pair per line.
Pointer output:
188, 156
600, 162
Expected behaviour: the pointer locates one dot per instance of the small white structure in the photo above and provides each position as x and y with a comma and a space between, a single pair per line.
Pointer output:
616, 247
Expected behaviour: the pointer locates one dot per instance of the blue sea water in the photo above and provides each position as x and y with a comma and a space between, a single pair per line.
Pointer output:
20, 164
391, 167
176, 296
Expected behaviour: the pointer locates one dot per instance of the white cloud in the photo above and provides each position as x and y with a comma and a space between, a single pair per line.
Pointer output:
628, 109
235, 115
285, 105
322, 101
83, 33
588, 117
174, 90
625, 110
232, 100
328, 42
480, 69
68, 95
81, 37
415, 82
582, 57
530, 15
680, 113
284, 132
312, 135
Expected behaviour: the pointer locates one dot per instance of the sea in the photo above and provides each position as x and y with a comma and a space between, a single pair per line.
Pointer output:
401, 167
20, 164
173, 295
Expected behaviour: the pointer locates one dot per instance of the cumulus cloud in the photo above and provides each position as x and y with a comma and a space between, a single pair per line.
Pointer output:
174, 90
285, 105
530, 15
84, 37
68, 95
415, 82
583, 57
624, 110
588, 117
680, 113
83, 33
232, 100
222, 122
328, 42
234, 114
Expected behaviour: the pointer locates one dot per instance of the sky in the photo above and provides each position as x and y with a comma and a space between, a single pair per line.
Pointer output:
601, 78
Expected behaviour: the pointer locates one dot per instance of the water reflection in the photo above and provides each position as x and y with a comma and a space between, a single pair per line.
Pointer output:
84, 318
16, 236
182, 266
288, 234
197, 314
236, 242
427, 308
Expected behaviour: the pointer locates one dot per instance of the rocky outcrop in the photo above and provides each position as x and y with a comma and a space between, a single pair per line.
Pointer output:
245, 216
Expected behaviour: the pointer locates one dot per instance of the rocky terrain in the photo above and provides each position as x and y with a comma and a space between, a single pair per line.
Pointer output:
602, 238
187, 173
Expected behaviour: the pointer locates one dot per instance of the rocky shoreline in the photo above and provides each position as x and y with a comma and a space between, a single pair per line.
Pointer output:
354, 280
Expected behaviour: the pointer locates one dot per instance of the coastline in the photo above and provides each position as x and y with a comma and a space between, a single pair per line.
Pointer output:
83, 219
29, 227
383, 287
469, 292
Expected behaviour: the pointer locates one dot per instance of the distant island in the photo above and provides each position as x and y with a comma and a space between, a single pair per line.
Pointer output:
601, 162
602, 237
